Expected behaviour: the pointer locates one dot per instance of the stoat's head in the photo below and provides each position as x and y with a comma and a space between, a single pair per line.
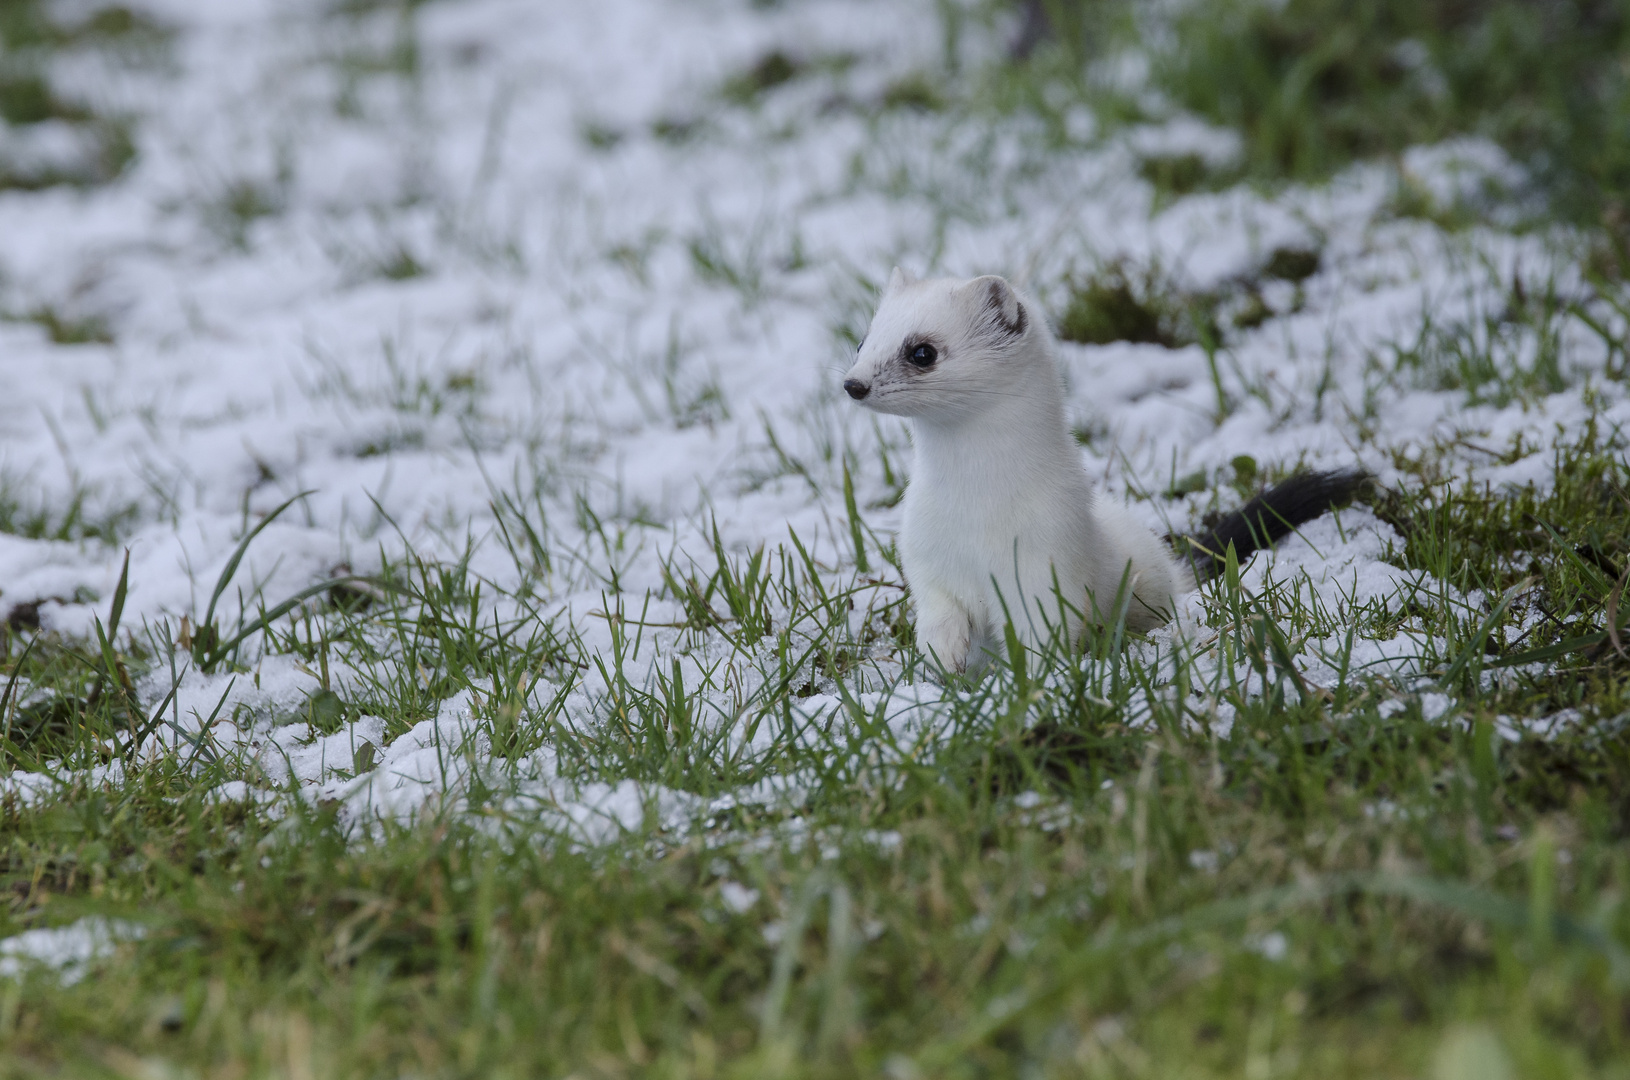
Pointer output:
945, 348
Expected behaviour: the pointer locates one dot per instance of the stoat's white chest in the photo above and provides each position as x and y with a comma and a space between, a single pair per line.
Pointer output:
993, 520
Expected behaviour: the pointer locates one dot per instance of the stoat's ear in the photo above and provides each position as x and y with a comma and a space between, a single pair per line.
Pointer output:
998, 306
897, 281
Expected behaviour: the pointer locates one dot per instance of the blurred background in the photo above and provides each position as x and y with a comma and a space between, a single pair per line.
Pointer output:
1309, 85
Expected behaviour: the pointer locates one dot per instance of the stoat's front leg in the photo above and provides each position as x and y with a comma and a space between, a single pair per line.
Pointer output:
944, 628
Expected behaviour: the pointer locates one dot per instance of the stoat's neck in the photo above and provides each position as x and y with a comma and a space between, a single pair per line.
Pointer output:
1015, 444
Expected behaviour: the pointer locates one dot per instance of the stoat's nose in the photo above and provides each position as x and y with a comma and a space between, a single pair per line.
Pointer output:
856, 388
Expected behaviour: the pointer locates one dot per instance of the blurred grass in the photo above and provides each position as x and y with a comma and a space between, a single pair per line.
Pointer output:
32, 34
1313, 85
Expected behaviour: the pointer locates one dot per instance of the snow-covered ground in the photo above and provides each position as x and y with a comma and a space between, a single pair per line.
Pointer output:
496, 249
68, 949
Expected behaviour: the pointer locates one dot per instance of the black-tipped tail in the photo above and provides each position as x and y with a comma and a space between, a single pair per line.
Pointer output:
1269, 517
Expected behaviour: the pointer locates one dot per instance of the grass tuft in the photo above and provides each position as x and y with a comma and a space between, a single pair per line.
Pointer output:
1120, 303
1313, 84
775, 68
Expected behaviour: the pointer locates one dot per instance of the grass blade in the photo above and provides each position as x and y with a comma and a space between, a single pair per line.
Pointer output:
231, 567
1474, 645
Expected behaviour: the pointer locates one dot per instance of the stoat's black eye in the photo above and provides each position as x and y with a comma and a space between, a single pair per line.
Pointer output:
924, 355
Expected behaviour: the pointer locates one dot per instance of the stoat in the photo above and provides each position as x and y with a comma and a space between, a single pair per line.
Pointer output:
1001, 519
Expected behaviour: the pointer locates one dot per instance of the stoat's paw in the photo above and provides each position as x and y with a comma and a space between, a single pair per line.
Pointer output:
946, 635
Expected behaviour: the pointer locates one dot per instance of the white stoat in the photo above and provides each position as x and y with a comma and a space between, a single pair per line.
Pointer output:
1000, 512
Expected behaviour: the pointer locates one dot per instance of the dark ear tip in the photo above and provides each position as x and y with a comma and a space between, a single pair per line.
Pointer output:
1004, 305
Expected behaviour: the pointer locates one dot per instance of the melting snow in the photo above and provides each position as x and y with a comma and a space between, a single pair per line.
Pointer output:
552, 265
70, 950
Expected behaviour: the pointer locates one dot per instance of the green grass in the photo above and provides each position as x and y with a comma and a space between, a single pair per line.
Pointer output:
84, 517
70, 330
1122, 859
1117, 303
1085, 873
29, 36
1120, 301
1314, 85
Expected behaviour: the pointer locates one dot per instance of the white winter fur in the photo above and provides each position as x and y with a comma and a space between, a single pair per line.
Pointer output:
1000, 507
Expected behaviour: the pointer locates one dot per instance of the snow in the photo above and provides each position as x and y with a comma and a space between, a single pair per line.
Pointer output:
447, 294
1272, 946
737, 897
68, 950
